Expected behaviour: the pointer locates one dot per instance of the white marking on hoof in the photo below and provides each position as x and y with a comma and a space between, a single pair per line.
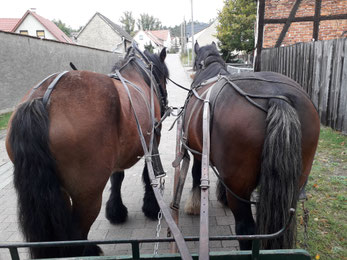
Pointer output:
192, 206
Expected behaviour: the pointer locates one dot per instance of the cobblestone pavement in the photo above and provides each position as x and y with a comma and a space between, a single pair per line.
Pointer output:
137, 226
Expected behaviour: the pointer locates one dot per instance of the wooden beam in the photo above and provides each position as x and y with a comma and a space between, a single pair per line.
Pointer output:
259, 34
287, 24
307, 19
316, 20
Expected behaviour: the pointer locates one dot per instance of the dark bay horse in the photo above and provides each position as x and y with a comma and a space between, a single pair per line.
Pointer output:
264, 133
66, 147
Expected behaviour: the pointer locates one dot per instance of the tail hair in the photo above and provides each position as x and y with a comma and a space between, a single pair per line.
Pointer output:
44, 213
280, 171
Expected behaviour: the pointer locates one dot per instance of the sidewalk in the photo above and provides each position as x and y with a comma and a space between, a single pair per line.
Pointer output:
221, 219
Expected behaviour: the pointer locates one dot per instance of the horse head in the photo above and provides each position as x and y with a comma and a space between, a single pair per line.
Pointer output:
160, 73
208, 63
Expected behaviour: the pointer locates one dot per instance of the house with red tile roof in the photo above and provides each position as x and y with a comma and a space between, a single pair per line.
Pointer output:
158, 39
34, 25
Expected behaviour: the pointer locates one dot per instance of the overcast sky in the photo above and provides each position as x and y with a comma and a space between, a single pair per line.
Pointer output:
76, 13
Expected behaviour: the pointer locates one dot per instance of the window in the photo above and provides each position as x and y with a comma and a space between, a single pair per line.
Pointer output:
25, 32
40, 34
141, 37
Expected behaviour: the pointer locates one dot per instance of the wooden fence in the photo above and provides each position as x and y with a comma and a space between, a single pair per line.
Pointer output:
321, 69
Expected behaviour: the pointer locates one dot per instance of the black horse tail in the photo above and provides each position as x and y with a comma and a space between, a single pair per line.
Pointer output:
280, 171
44, 213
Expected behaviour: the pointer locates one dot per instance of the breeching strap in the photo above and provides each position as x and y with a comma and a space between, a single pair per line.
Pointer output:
205, 182
182, 246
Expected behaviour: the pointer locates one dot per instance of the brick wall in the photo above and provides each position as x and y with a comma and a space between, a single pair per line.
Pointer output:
303, 31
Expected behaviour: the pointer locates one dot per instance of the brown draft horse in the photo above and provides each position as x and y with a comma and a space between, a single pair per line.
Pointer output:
65, 151
264, 133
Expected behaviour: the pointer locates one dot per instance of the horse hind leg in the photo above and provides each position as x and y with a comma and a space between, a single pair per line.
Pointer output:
192, 206
85, 210
116, 212
244, 221
221, 194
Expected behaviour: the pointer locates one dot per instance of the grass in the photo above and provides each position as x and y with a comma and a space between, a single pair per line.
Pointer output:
4, 120
327, 197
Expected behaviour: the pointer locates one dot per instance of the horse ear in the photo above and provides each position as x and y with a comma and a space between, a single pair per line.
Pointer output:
214, 44
163, 54
196, 47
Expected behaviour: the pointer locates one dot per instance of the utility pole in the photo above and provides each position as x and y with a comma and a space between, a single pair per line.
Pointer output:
192, 27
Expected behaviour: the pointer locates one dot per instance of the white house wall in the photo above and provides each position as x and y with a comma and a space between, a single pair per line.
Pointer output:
206, 36
31, 24
142, 39
99, 36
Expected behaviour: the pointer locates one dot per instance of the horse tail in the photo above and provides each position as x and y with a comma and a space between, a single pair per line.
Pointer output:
44, 213
281, 168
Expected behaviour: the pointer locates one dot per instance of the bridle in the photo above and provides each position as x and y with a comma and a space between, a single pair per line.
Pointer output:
135, 55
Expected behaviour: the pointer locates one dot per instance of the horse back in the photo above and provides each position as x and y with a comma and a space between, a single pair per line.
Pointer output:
238, 127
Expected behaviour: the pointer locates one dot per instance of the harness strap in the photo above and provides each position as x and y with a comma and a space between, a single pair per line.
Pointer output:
39, 85
156, 189
51, 87
205, 182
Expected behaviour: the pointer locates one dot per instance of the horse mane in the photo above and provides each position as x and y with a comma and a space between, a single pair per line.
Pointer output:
205, 57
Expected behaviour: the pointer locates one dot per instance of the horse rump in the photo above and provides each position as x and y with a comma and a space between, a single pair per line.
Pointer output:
281, 168
43, 211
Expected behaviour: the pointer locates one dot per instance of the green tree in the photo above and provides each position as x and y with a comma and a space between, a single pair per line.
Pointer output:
149, 47
148, 22
236, 26
128, 22
62, 26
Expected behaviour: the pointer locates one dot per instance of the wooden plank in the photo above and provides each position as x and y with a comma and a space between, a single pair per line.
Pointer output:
325, 82
295, 55
302, 63
286, 61
342, 114
306, 66
283, 60
299, 64
311, 65
335, 84
318, 49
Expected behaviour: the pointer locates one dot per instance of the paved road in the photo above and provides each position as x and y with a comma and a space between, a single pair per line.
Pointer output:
137, 226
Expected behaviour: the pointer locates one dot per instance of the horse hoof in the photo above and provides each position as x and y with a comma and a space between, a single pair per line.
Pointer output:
151, 211
92, 250
116, 214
